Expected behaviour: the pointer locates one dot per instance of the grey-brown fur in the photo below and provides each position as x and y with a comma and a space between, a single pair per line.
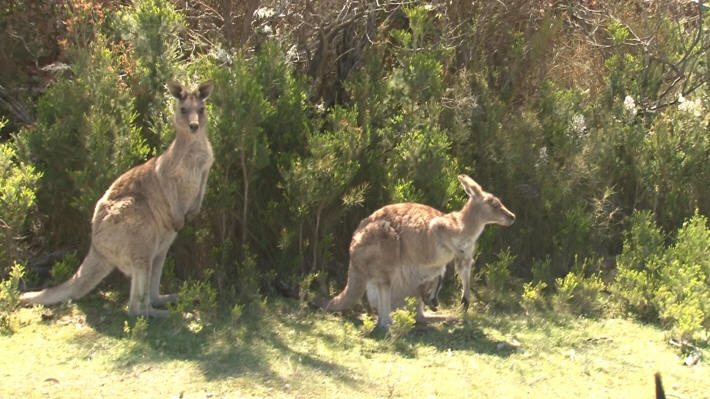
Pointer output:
423, 287
402, 246
138, 217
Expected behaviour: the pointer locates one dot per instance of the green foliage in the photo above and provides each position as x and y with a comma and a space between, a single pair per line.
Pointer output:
532, 299
236, 312
196, 303
65, 268
314, 182
248, 272
152, 28
368, 325
139, 331
683, 299
573, 138
83, 139
253, 100
618, 32
579, 293
637, 277
18, 185
498, 280
10, 296
672, 281
403, 321
304, 287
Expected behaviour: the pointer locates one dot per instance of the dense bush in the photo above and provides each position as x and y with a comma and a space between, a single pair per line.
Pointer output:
18, 185
588, 131
85, 137
670, 282
10, 296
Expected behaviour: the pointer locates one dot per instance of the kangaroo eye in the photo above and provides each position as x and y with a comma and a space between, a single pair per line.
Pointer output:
183, 110
201, 110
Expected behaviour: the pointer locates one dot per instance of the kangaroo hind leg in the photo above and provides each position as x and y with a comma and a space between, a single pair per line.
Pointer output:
139, 300
384, 304
463, 269
155, 274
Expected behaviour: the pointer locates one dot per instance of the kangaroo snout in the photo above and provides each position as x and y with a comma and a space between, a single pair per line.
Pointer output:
194, 126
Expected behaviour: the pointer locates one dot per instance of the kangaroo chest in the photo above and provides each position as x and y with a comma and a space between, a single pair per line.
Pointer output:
185, 169
192, 171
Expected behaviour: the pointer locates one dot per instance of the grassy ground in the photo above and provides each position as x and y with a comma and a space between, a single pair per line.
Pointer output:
284, 351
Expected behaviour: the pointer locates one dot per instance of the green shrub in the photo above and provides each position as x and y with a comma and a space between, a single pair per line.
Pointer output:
84, 137
18, 184
197, 303
578, 293
403, 321
368, 325
499, 289
683, 298
65, 268
236, 312
248, 283
153, 29
10, 296
637, 277
532, 299
671, 282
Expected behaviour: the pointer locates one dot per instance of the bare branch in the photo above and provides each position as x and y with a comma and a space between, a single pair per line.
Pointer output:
15, 107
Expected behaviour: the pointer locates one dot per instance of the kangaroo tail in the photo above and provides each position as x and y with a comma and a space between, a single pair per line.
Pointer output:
91, 271
353, 291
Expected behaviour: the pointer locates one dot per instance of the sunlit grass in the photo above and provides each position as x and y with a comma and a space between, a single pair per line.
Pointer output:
282, 350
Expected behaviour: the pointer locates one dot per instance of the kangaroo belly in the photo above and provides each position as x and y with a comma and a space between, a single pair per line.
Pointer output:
406, 281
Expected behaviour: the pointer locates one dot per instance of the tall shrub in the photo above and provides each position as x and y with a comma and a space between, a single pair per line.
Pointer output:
18, 183
152, 29
671, 282
84, 137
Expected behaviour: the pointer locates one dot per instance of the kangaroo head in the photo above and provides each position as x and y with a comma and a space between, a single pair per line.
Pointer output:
190, 112
486, 206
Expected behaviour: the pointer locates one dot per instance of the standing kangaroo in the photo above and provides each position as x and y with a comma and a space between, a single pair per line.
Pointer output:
401, 248
138, 217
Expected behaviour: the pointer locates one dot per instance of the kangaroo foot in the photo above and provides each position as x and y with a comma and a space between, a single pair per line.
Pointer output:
164, 299
149, 312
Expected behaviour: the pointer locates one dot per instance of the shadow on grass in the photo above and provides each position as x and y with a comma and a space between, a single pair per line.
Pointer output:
266, 345
249, 347
458, 333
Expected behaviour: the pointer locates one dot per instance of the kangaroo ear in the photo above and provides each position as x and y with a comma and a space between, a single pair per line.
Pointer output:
472, 188
176, 89
205, 89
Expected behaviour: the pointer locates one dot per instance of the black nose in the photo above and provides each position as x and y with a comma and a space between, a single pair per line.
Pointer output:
194, 126
511, 219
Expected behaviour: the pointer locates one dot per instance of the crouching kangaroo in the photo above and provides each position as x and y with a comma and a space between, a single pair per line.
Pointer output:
138, 217
400, 247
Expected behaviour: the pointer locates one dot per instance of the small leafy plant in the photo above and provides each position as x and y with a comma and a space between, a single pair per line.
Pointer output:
10, 297
403, 321
196, 303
